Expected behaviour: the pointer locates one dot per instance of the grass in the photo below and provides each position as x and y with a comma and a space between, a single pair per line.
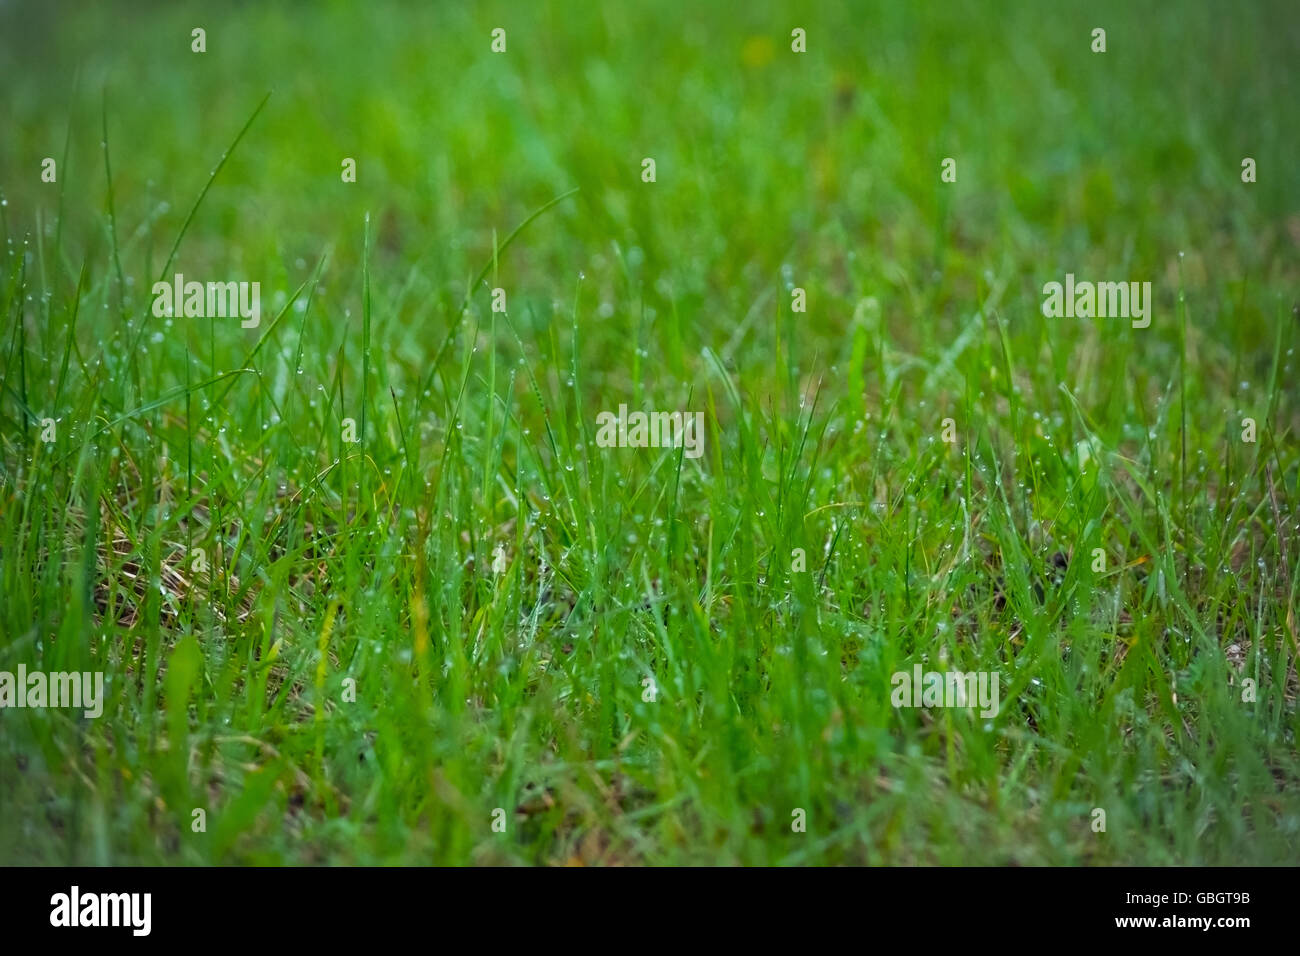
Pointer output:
355, 652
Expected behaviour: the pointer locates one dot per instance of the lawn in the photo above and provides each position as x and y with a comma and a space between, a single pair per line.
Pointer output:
366, 582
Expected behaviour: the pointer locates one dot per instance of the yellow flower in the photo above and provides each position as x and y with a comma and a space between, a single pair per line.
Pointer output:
757, 51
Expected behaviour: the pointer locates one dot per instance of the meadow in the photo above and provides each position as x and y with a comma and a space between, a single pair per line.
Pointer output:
364, 586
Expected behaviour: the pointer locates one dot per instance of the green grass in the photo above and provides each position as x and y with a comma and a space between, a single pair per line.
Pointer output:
331, 562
